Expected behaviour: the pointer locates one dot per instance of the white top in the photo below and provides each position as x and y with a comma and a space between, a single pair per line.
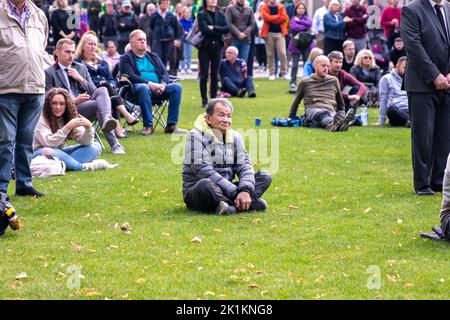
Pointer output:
443, 13
317, 23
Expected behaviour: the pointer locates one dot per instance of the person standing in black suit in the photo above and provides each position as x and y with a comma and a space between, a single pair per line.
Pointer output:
425, 32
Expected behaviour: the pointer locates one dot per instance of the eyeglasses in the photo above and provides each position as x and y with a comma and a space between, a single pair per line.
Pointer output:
370, 58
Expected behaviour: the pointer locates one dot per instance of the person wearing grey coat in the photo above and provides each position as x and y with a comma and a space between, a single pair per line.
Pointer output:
214, 155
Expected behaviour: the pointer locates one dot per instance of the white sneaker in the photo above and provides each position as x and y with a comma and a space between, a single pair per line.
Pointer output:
189, 71
117, 149
182, 71
272, 77
99, 164
286, 77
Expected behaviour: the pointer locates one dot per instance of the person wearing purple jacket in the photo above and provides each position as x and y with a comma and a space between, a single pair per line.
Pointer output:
299, 23
356, 25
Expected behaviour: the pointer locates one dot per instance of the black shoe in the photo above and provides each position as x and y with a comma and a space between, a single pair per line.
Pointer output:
258, 205
349, 116
30, 192
425, 192
204, 103
251, 94
241, 93
436, 187
408, 124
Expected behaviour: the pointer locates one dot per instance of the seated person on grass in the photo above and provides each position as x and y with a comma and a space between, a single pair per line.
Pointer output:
394, 100
150, 80
352, 90
445, 206
214, 155
233, 75
321, 95
92, 103
60, 122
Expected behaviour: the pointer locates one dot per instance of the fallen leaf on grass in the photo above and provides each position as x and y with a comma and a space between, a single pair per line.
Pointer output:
234, 277
408, 285
441, 280
247, 279
257, 220
196, 240
40, 258
209, 293
264, 292
91, 250
292, 206
140, 281
251, 265
367, 210
165, 190
76, 247
240, 270
90, 292
391, 278
218, 230
253, 286
399, 221
320, 278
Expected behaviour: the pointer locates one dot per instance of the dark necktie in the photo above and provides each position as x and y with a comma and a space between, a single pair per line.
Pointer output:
73, 88
441, 19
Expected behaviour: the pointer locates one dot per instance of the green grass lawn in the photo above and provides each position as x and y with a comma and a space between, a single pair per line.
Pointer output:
343, 223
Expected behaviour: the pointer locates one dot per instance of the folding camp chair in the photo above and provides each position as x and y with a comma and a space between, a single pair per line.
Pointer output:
130, 98
97, 138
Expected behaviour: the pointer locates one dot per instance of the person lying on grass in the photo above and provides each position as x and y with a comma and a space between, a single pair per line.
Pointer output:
214, 155
60, 122
321, 95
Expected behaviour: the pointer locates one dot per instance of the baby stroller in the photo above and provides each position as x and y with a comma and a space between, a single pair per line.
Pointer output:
377, 44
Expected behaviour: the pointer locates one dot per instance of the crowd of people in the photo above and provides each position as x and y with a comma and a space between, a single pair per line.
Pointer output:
348, 62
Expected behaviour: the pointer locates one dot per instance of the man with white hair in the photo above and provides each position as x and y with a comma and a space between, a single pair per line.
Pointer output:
321, 95
233, 75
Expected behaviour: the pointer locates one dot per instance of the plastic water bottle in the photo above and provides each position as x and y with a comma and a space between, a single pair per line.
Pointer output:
364, 116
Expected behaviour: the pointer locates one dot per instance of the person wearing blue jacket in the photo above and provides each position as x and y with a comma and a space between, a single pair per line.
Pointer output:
334, 25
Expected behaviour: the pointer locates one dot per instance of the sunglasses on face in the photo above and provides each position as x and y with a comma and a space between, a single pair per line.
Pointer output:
370, 58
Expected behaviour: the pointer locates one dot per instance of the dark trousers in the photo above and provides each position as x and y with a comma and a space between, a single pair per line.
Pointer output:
116, 100
332, 45
205, 195
261, 55
209, 55
162, 49
397, 117
430, 137
233, 87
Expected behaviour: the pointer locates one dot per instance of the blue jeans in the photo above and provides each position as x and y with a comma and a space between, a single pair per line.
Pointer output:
145, 95
187, 55
74, 156
19, 114
243, 47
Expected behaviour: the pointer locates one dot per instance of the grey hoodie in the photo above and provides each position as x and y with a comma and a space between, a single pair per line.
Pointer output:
391, 94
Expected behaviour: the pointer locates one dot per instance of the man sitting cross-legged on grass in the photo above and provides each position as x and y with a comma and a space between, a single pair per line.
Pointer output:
233, 75
321, 95
214, 155
150, 80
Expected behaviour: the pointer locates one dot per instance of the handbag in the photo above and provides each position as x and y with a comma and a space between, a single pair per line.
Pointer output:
195, 36
302, 40
47, 166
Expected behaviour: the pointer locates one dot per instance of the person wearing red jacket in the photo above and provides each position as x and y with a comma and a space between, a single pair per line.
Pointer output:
356, 16
390, 21
273, 32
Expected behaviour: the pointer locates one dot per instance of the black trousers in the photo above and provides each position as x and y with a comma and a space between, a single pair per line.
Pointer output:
205, 195
209, 54
397, 117
430, 137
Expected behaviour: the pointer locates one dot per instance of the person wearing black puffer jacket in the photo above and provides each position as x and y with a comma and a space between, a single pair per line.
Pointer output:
126, 22
213, 25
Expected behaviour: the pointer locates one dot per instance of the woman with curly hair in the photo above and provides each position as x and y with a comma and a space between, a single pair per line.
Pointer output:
101, 76
60, 122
